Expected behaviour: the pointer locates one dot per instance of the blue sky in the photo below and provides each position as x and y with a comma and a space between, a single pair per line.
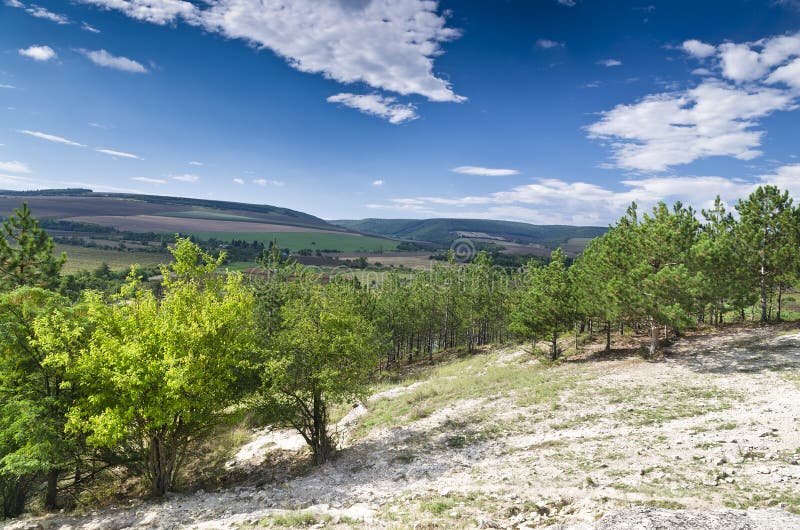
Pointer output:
546, 111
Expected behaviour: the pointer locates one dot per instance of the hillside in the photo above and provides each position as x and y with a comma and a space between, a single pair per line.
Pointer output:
104, 220
444, 231
503, 440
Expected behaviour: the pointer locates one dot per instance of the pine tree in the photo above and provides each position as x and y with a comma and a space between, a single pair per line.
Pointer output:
26, 253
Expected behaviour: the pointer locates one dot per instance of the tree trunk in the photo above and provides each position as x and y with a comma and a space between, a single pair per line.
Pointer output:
608, 336
161, 465
320, 441
554, 347
763, 287
780, 299
653, 339
51, 495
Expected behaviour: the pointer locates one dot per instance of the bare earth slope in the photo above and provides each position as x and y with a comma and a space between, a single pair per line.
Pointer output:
705, 438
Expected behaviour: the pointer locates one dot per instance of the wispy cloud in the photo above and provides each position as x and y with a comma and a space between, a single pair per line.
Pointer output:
195, 163
107, 60
266, 182
118, 154
555, 201
568, 3
40, 12
385, 107
377, 183
14, 167
38, 53
149, 180
547, 44
186, 178
51, 138
484, 171
609, 62
7, 86
85, 26
238, 181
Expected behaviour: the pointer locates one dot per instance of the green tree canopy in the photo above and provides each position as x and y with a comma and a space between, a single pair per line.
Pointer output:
26, 253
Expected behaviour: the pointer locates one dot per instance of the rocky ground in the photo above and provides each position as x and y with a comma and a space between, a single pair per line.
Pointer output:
706, 437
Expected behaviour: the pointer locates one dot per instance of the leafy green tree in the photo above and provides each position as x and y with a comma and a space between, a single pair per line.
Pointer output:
26, 253
768, 229
160, 372
547, 305
40, 334
323, 355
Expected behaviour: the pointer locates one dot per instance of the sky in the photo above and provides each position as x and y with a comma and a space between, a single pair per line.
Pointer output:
544, 111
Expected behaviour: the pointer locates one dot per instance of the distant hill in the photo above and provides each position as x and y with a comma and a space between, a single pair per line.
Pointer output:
67, 203
444, 231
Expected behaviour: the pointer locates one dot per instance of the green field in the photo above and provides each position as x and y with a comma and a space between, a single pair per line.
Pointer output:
312, 240
81, 258
213, 216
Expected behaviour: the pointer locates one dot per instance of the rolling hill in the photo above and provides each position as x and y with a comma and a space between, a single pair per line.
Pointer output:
444, 231
86, 215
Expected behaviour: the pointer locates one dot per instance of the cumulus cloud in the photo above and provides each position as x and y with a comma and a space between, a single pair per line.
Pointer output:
155, 11
186, 178
385, 107
38, 53
107, 60
14, 167
386, 44
484, 171
698, 49
118, 154
547, 44
743, 83
149, 180
51, 138
712, 119
610, 62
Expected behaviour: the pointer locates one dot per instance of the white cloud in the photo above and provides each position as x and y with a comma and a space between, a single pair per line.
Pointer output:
698, 49
484, 171
85, 26
118, 154
38, 53
107, 60
186, 178
149, 180
610, 62
554, 201
385, 107
155, 11
377, 183
40, 12
386, 44
195, 163
7, 86
14, 3
265, 182
51, 138
712, 119
14, 167
718, 117
238, 181
568, 3
547, 44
